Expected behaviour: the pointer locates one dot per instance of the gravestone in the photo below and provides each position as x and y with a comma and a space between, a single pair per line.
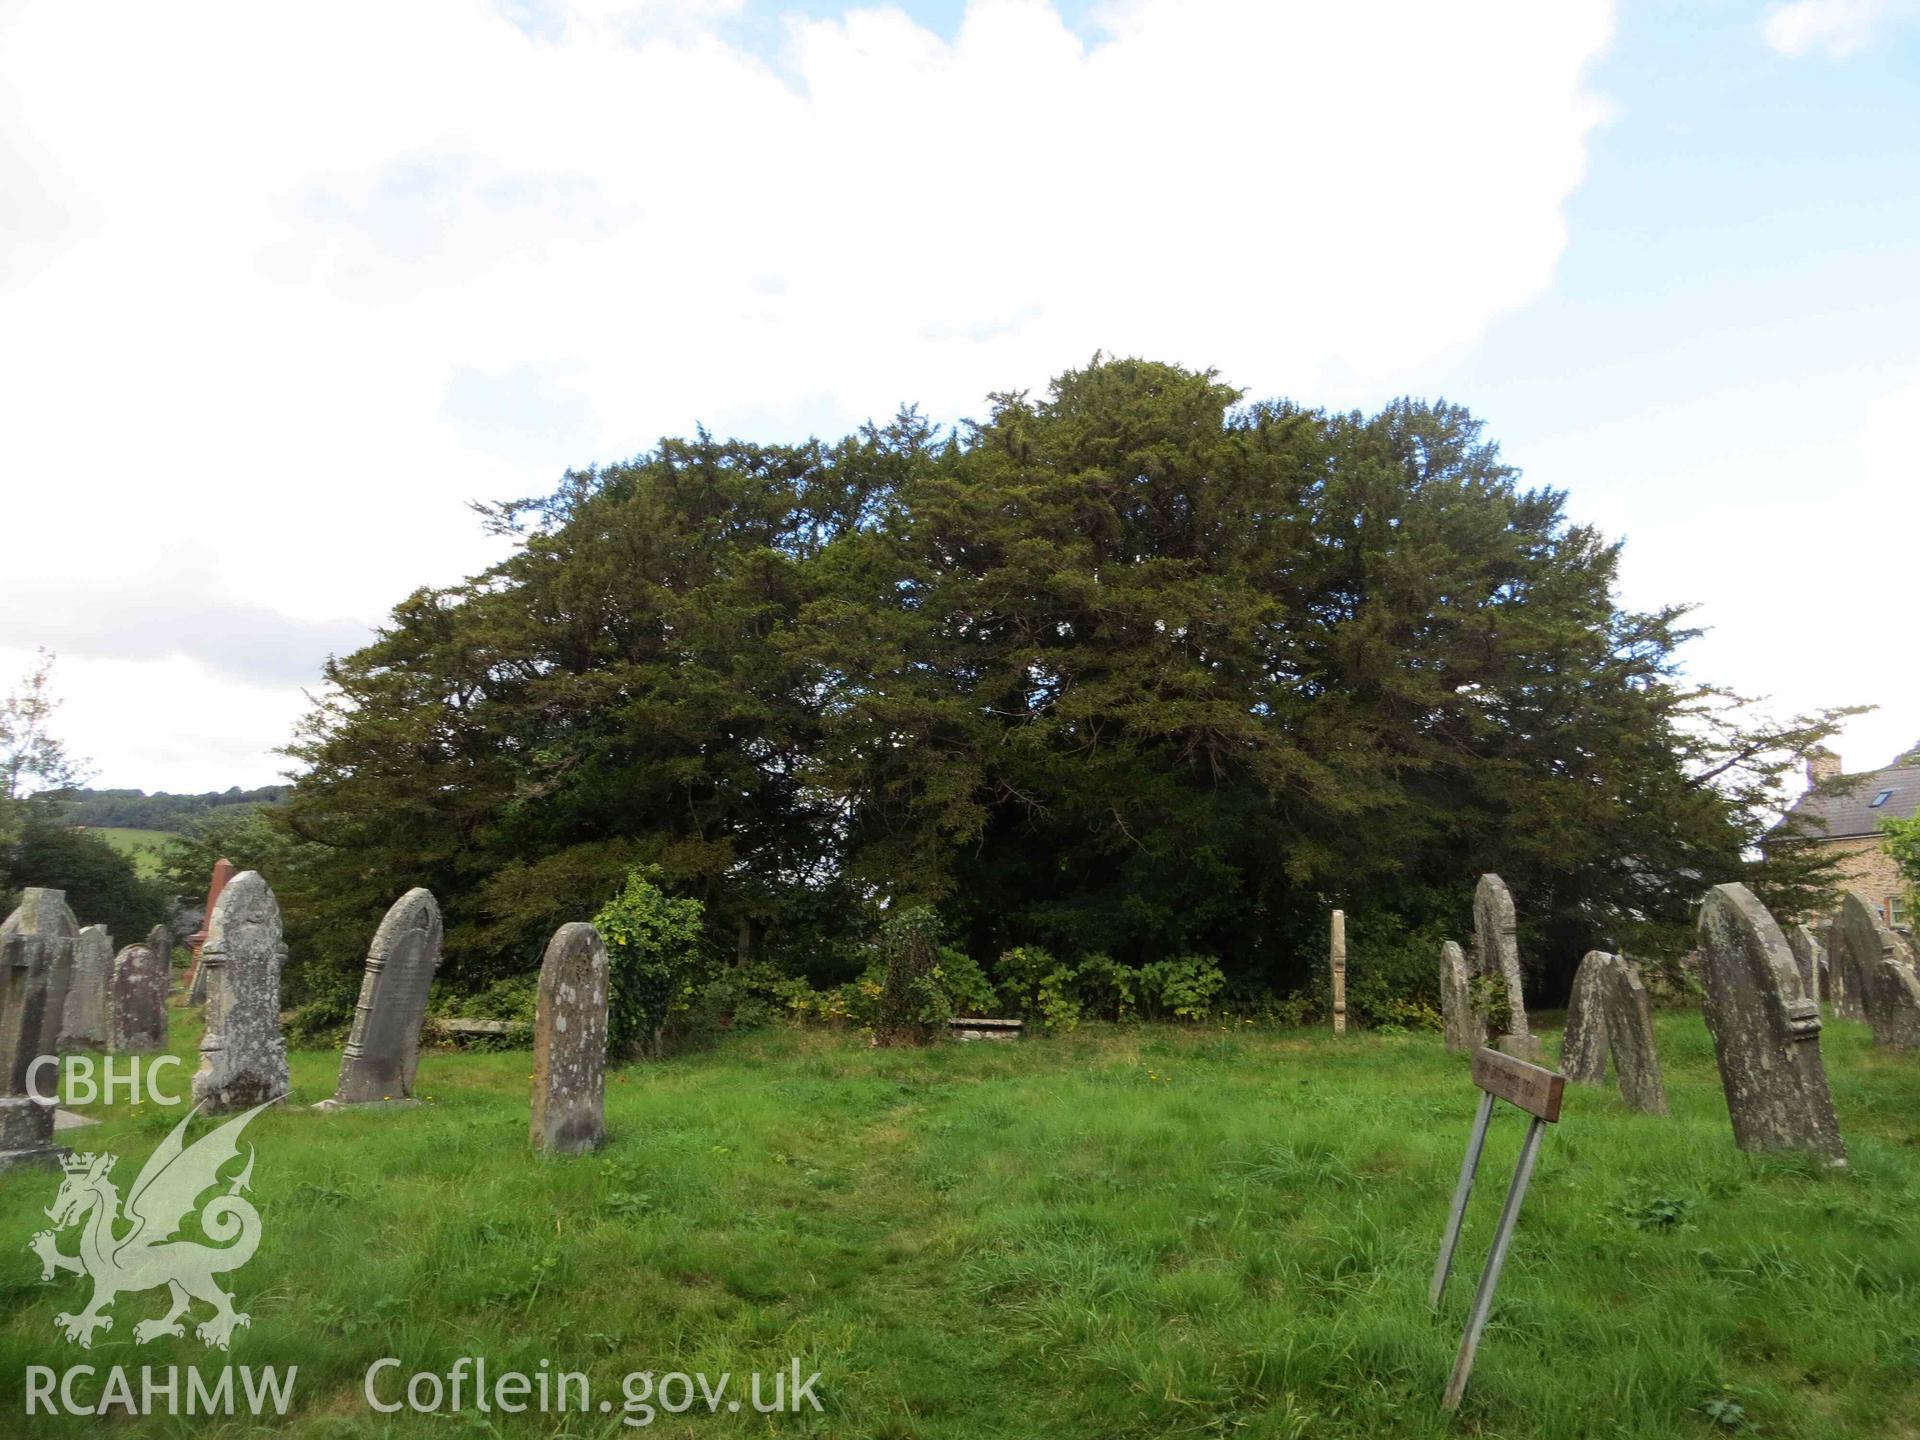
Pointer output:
1846, 984
243, 1058
1628, 1014
53, 1009
1583, 1043
32, 938
384, 1048
570, 1043
197, 981
83, 1021
160, 942
1766, 1030
1465, 1027
1808, 955
1496, 953
1879, 961
1337, 953
137, 1005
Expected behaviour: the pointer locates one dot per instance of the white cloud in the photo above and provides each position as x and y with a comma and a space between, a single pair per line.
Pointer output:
269, 276
1834, 28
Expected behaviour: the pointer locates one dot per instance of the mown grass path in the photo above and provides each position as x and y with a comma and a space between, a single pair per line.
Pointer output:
1130, 1232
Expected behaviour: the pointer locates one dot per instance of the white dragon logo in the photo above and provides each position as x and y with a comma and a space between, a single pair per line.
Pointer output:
145, 1256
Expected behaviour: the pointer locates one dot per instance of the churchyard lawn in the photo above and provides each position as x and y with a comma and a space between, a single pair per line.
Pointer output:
1138, 1231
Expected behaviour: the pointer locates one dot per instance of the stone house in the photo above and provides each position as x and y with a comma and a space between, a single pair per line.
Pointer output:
1842, 813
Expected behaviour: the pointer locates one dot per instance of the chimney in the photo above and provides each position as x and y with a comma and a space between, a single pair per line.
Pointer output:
1822, 765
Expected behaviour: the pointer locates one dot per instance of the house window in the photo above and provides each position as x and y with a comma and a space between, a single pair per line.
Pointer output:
1880, 799
1897, 913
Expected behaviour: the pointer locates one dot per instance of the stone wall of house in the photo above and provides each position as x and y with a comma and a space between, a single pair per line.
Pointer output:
1866, 866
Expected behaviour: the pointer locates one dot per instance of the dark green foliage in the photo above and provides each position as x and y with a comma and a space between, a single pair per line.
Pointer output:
914, 1007
657, 959
1136, 670
102, 886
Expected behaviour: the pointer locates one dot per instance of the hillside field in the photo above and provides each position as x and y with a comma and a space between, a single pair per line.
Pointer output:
1135, 1231
145, 846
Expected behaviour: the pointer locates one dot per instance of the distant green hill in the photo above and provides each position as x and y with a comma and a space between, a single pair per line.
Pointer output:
137, 810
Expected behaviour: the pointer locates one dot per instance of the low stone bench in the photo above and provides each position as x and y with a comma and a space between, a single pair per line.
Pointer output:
448, 1031
971, 1027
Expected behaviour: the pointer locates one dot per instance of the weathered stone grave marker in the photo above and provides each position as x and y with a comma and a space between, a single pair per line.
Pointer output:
1496, 953
1809, 955
83, 1021
1610, 1015
197, 982
1766, 1030
1465, 1026
1879, 961
383, 1051
1337, 954
1538, 1092
570, 1044
243, 1056
32, 938
137, 1004
1583, 1041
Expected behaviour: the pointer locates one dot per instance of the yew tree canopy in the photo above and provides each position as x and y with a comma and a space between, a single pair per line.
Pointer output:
1137, 668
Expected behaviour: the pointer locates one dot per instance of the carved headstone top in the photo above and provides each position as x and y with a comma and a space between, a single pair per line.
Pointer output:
384, 1049
38, 940
1766, 1030
570, 1043
243, 1057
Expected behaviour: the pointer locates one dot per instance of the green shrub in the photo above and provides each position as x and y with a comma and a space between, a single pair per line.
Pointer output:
656, 958
1182, 988
741, 997
1038, 988
969, 992
1106, 988
913, 1006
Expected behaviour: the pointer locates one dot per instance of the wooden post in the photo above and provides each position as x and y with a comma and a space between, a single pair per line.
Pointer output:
1339, 952
1537, 1091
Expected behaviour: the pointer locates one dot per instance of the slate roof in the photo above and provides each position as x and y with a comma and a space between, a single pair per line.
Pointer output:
1845, 807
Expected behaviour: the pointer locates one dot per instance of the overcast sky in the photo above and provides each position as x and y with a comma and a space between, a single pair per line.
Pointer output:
282, 287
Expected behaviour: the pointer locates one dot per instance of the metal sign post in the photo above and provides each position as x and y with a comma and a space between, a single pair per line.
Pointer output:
1536, 1091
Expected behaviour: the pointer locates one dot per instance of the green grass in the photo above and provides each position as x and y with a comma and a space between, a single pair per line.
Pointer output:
1138, 1232
147, 848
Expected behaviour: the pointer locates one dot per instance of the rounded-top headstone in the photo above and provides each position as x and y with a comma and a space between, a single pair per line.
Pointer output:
1765, 1028
570, 1043
243, 1057
383, 1052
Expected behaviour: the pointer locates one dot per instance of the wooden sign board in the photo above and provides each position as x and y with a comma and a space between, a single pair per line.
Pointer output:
1531, 1088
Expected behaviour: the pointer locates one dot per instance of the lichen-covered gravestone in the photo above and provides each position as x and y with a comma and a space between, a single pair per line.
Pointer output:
1465, 1027
160, 943
1808, 954
32, 939
1583, 1043
137, 1004
1766, 1030
243, 1057
1628, 1013
1878, 960
570, 1043
1496, 953
384, 1048
1844, 983
83, 1022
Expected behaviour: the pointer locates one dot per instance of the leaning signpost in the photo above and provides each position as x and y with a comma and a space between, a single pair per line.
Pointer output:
1537, 1091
